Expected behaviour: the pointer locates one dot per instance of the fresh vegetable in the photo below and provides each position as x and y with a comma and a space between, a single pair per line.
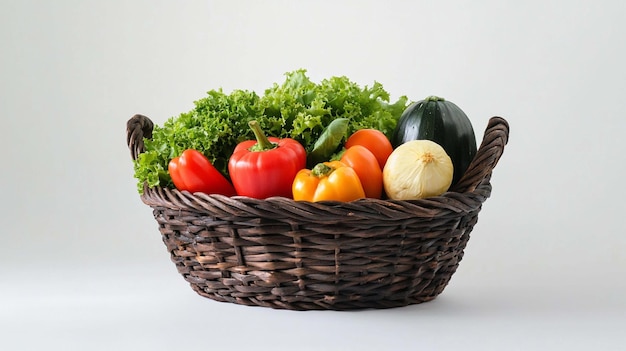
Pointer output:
443, 122
327, 181
193, 172
265, 167
417, 169
375, 141
366, 167
298, 108
328, 142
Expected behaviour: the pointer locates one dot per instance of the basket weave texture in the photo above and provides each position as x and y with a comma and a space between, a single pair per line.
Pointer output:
286, 254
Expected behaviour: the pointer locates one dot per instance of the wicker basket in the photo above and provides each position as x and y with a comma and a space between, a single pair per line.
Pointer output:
284, 254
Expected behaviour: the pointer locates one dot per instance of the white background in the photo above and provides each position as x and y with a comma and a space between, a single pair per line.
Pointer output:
82, 265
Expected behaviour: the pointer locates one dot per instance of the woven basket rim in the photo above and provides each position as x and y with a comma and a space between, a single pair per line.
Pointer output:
428, 208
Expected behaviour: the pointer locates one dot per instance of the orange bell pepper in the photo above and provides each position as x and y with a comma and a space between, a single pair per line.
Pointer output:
365, 164
328, 181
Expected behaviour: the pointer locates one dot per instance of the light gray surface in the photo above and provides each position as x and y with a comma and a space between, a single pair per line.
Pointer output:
82, 266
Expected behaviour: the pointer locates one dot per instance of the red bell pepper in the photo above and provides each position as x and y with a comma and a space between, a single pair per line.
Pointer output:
193, 172
267, 166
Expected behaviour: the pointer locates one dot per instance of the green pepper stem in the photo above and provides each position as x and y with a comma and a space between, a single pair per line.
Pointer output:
262, 142
321, 170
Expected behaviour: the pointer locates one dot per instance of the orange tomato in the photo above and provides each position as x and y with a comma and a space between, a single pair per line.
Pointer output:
366, 167
375, 141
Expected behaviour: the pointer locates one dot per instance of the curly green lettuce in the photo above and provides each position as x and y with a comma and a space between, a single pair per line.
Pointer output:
298, 108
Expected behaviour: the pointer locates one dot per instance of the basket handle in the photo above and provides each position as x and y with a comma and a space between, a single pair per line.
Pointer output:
488, 154
138, 128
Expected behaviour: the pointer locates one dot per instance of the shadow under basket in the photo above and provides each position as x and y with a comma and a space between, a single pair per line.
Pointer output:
286, 254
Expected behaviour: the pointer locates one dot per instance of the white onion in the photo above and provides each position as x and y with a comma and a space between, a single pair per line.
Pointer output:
417, 169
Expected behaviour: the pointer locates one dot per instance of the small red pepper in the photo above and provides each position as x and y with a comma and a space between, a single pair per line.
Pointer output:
265, 167
193, 172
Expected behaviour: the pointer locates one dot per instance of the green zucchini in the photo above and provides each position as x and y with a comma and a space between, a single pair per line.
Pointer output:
443, 122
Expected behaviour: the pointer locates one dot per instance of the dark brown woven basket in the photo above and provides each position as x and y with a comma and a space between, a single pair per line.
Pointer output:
285, 254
